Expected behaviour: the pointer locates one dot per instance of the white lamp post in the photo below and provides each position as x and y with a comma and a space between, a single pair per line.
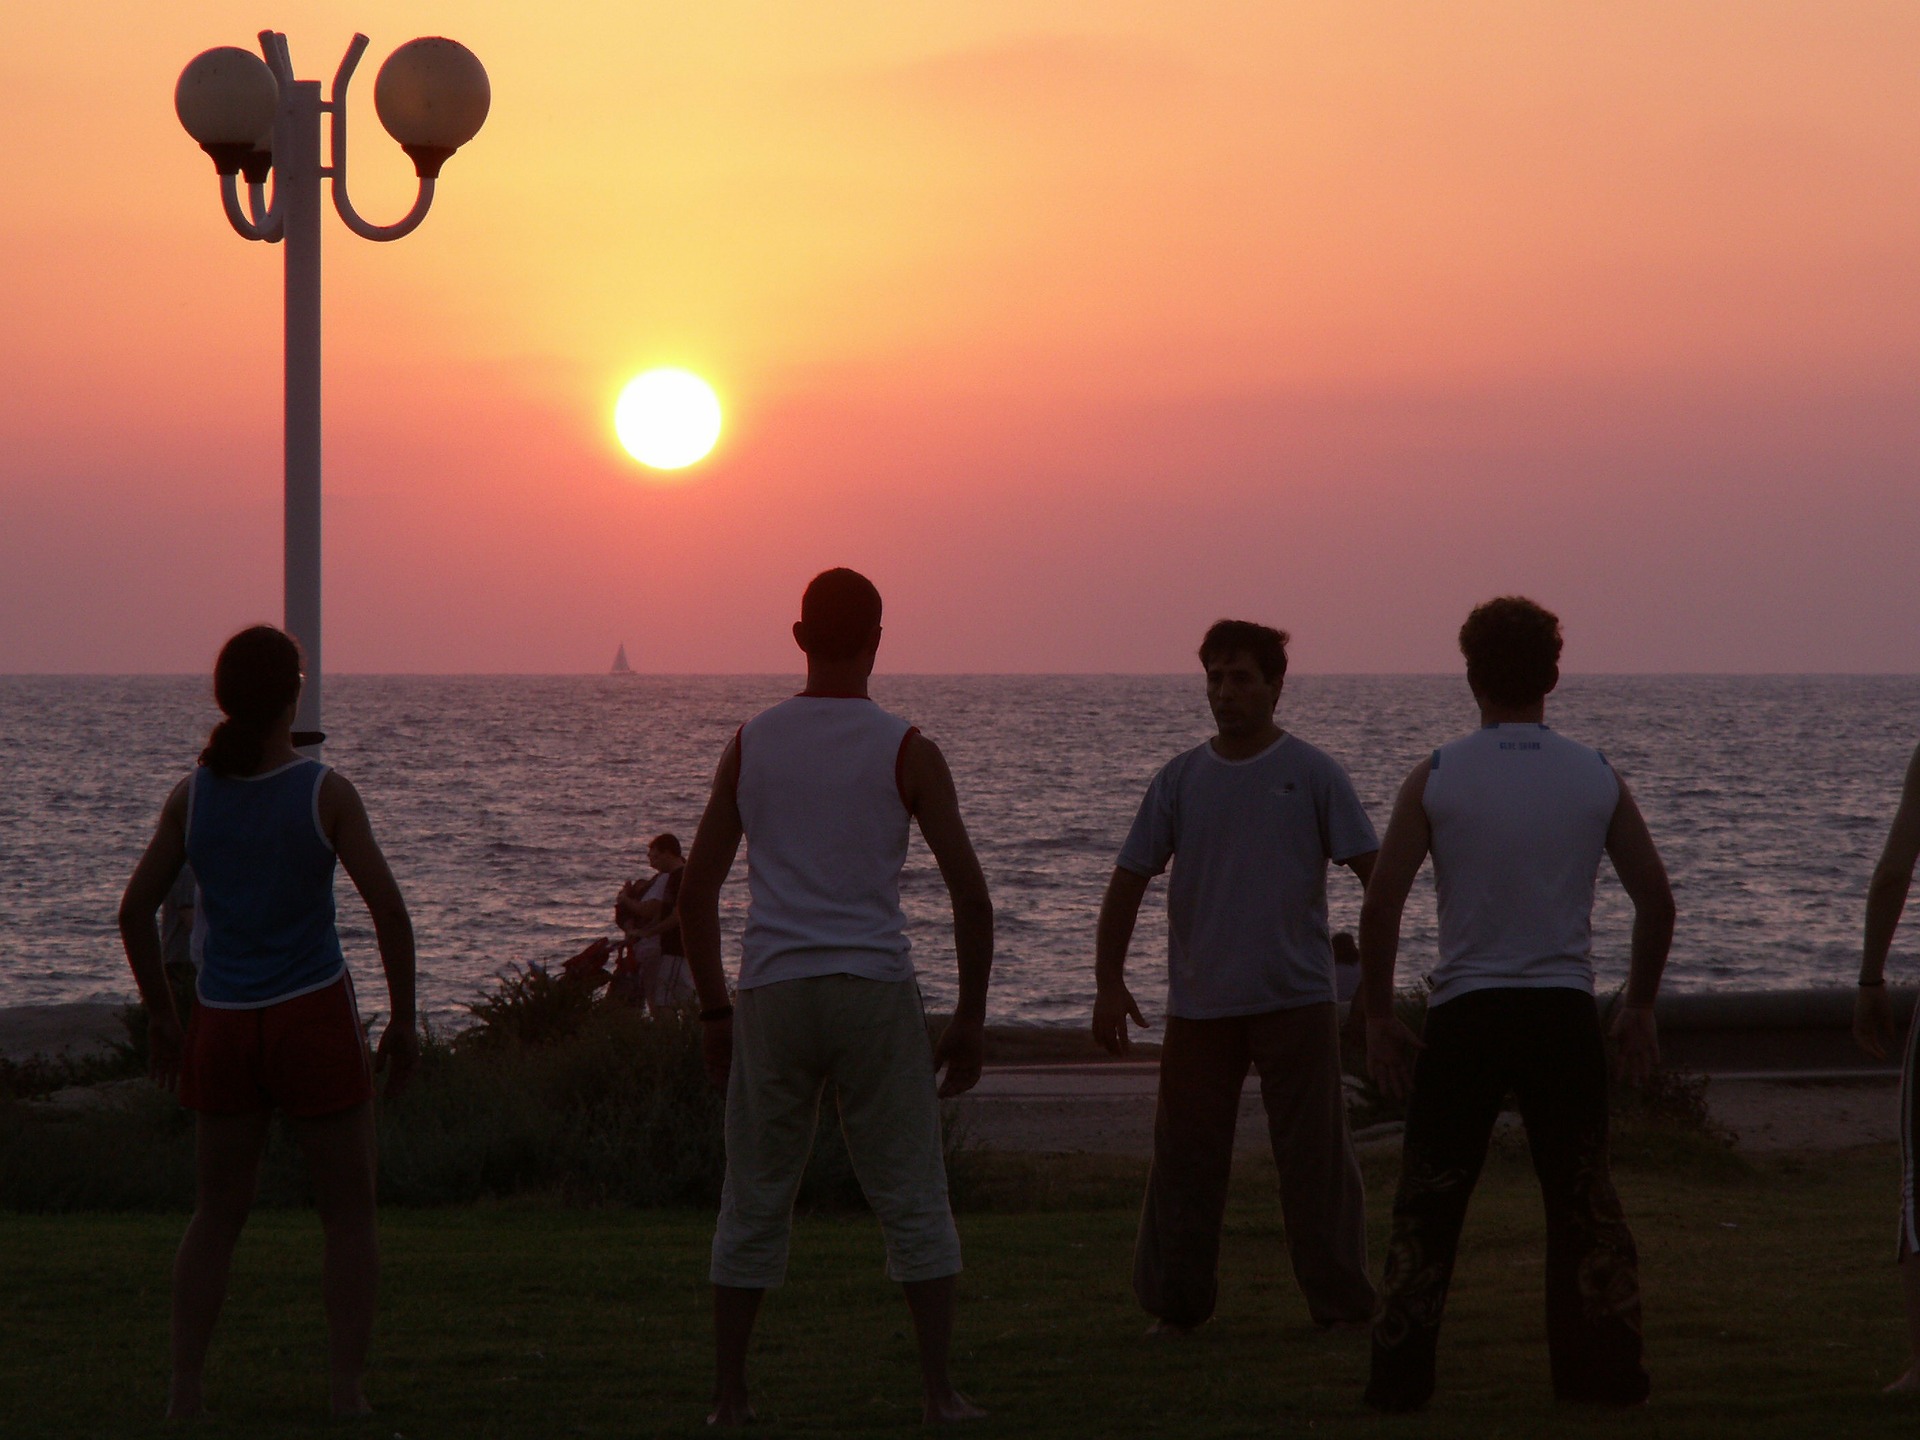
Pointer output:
255, 119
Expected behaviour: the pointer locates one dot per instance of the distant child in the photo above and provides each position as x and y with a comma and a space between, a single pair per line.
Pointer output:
276, 1026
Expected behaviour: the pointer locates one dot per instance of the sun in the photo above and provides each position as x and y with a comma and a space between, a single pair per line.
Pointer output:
667, 418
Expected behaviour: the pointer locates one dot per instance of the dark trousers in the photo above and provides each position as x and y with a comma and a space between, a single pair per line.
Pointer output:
1203, 1064
1545, 1047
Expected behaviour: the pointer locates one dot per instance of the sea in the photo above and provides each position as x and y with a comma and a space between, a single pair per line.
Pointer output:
513, 807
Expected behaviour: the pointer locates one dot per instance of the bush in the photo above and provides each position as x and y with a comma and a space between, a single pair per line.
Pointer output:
551, 1092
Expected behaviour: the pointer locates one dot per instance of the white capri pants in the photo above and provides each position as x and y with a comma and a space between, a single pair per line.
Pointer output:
868, 1039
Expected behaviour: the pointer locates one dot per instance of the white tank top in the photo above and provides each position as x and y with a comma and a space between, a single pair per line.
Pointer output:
1519, 819
826, 827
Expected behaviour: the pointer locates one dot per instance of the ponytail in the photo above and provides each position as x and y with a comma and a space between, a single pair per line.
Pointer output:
256, 677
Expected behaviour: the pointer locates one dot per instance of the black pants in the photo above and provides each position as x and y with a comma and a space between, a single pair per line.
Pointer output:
1545, 1047
1203, 1064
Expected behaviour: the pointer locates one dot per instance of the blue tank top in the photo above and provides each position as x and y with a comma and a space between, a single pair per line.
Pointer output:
264, 926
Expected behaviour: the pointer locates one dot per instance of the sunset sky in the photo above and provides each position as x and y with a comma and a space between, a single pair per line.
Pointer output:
1075, 325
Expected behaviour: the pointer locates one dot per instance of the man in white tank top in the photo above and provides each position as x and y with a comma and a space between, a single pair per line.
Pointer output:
823, 787
1516, 819
1250, 820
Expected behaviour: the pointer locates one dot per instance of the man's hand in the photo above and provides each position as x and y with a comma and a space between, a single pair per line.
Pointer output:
716, 1047
961, 1050
396, 1055
1639, 1042
165, 1042
1873, 1029
1391, 1048
1113, 1006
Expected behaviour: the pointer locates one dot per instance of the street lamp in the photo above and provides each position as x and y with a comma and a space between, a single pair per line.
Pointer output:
255, 119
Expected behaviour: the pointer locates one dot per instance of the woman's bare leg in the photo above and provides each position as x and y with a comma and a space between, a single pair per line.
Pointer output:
341, 1167
227, 1165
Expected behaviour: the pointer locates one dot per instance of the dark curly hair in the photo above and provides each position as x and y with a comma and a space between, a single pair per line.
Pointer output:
1513, 650
256, 677
1266, 645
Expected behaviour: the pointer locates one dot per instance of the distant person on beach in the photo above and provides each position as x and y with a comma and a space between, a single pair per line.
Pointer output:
823, 787
276, 1026
1250, 820
648, 913
1873, 1029
1516, 819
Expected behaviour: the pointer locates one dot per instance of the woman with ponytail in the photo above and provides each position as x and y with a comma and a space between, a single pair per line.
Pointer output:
276, 1025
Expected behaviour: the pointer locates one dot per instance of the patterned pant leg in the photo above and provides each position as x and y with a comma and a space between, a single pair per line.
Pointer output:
1459, 1081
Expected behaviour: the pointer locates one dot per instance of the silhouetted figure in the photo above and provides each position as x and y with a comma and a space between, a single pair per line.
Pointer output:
1250, 821
1873, 1029
275, 1025
823, 787
1516, 819
648, 914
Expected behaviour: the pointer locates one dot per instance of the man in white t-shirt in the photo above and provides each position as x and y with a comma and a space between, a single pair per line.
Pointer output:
823, 787
1250, 820
1516, 819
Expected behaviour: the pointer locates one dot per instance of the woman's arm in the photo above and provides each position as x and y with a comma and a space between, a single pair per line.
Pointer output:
344, 818
152, 878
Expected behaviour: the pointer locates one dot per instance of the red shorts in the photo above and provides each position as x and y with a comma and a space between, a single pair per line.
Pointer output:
306, 1056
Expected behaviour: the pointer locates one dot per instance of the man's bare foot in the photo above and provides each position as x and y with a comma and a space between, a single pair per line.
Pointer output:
731, 1411
1165, 1329
1907, 1384
950, 1410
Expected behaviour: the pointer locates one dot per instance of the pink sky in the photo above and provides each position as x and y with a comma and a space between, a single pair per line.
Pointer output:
1076, 325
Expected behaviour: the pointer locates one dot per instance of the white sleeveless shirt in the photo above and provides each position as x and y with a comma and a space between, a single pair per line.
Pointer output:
826, 826
1519, 819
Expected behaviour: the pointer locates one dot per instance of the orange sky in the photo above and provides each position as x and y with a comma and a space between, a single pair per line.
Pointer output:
1076, 325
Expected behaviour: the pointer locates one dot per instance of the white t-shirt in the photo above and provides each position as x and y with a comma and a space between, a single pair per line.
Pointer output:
1247, 904
1519, 818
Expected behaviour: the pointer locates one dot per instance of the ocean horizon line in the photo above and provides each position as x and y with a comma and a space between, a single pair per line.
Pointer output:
1293, 673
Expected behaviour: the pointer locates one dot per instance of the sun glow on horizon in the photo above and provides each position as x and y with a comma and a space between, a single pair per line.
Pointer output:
667, 418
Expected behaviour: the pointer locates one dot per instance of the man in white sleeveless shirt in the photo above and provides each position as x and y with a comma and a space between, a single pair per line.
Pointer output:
1250, 820
1516, 818
822, 787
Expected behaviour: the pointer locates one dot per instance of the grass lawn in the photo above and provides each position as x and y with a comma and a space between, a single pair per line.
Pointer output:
1772, 1309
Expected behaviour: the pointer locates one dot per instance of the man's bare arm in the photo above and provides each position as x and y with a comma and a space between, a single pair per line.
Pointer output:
1873, 1026
1362, 866
715, 845
1113, 1002
1892, 877
1390, 1044
928, 789
1389, 881
1644, 878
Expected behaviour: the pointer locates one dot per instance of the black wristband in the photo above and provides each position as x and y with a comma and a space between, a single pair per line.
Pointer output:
1879, 984
719, 1012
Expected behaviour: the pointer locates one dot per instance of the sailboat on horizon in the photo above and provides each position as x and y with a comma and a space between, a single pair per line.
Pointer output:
620, 665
